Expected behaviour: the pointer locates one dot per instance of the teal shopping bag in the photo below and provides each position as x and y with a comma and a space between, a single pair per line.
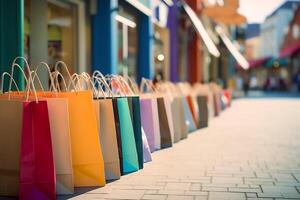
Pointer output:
126, 140
135, 112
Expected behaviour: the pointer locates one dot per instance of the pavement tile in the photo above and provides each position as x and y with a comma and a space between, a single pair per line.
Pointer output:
154, 197
279, 191
219, 189
226, 196
252, 195
177, 186
180, 197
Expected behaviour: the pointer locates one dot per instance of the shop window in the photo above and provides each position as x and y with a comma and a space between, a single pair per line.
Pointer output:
127, 43
61, 35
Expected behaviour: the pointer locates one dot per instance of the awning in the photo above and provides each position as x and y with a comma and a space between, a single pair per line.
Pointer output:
290, 50
233, 50
201, 30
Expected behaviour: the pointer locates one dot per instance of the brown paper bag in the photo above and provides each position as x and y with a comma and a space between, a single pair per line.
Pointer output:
108, 138
10, 140
61, 142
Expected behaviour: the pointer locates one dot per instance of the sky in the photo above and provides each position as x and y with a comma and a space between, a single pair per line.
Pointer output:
257, 10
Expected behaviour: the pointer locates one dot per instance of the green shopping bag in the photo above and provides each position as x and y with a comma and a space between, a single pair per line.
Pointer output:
135, 112
125, 136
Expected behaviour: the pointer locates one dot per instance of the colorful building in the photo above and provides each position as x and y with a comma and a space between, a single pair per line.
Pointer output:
173, 40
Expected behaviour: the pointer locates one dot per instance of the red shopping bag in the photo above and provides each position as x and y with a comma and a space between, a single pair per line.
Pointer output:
37, 173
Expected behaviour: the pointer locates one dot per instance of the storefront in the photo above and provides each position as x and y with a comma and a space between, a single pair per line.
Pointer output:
56, 30
125, 45
161, 39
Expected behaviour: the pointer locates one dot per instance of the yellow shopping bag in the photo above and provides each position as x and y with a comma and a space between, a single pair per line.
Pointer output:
88, 164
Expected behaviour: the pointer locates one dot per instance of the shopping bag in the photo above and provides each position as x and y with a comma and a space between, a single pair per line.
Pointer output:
125, 136
203, 111
168, 105
146, 149
147, 121
135, 113
11, 116
189, 120
183, 125
37, 173
108, 138
87, 159
156, 122
61, 142
189, 99
165, 133
177, 113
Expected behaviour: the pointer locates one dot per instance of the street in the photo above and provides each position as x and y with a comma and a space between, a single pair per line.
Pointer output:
251, 151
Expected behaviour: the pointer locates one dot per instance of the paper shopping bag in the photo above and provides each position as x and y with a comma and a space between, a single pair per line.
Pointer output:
168, 106
183, 125
146, 149
125, 136
177, 114
189, 120
165, 133
203, 111
108, 137
37, 172
87, 159
61, 141
147, 120
135, 113
10, 141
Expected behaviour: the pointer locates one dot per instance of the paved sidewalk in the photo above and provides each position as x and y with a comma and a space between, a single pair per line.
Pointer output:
251, 151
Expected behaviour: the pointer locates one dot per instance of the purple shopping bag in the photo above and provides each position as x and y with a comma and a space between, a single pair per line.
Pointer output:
147, 120
146, 149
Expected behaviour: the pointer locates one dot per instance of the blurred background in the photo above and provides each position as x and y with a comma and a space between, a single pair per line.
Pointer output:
240, 44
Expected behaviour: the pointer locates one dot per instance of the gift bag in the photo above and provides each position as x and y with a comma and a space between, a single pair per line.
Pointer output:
203, 113
11, 116
135, 113
168, 105
192, 109
87, 159
88, 164
178, 113
183, 125
61, 141
146, 149
108, 139
189, 120
125, 136
37, 173
147, 120
165, 132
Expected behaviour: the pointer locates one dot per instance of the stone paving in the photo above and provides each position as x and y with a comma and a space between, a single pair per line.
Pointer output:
252, 151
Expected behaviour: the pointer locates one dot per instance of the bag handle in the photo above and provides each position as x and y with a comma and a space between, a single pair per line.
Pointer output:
13, 80
57, 74
100, 79
133, 84
88, 79
115, 78
43, 64
57, 64
126, 85
148, 84
28, 81
76, 77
